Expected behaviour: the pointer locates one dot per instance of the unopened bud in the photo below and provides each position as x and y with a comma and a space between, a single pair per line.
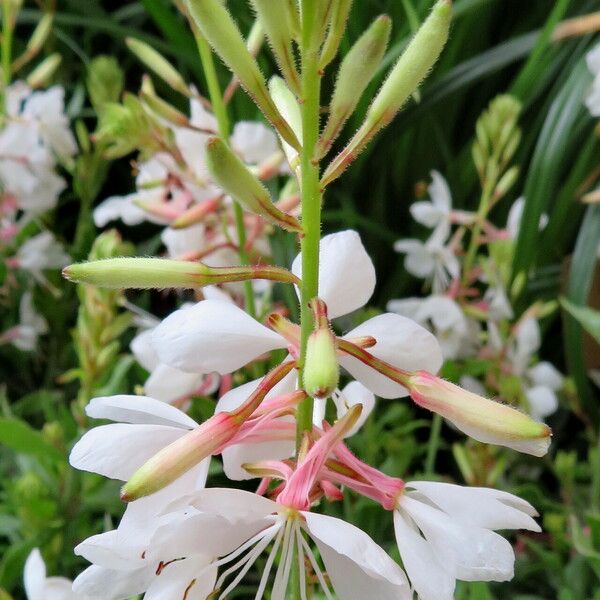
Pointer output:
159, 273
104, 81
339, 18
42, 74
164, 110
221, 32
506, 182
356, 71
232, 175
276, 22
36, 41
406, 75
159, 64
485, 420
290, 110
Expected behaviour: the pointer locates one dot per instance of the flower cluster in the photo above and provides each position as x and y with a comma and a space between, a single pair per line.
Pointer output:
286, 428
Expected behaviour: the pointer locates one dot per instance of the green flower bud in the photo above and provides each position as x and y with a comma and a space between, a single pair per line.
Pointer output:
275, 18
231, 174
337, 27
159, 273
321, 369
42, 74
356, 71
104, 81
290, 109
404, 78
221, 32
159, 64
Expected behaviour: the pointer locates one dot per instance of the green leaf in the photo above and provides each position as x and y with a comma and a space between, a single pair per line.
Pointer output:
587, 317
16, 434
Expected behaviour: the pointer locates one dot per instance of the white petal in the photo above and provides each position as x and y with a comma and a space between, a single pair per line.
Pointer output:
179, 580
470, 553
592, 58
181, 241
108, 584
254, 141
238, 454
352, 394
109, 551
542, 400
359, 569
528, 339
480, 507
119, 207
168, 384
426, 213
427, 575
34, 575
400, 342
407, 307
546, 374
118, 450
440, 192
212, 336
140, 410
346, 273
141, 347
515, 214
58, 588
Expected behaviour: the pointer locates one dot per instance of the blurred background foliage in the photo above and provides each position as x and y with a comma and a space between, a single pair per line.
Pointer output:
496, 46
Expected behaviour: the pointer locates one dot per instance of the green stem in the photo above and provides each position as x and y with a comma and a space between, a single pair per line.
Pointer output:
433, 444
311, 197
220, 112
6, 51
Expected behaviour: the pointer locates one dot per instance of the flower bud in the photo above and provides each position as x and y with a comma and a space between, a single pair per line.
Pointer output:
148, 273
484, 420
104, 81
221, 32
275, 18
36, 41
404, 78
337, 27
160, 107
159, 64
232, 175
42, 74
356, 71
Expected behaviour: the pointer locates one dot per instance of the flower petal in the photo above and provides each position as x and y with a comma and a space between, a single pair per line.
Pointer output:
469, 553
118, 450
542, 401
546, 374
346, 273
238, 454
359, 569
352, 394
34, 575
400, 342
426, 213
168, 384
142, 349
140, 410
427, 575
179, 579
110, 584
212, 336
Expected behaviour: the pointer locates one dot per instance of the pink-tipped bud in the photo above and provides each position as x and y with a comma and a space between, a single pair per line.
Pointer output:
484, 420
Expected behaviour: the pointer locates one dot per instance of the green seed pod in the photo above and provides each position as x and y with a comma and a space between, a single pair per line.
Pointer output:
337, 27
221, 32
321, 369
42, 74
232, 175
355, 74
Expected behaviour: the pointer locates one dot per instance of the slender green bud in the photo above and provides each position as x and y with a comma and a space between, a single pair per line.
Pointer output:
159, 273
355, 74
290, 109
36, 41
104, 81
160, 107
506, 182
232, 175
293, 15
322, 16
159, 64
404, 78
274, 17
42, 74
337, 27
221, 32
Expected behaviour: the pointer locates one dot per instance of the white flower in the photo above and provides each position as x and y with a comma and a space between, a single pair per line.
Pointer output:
431, 260
444, 317
541, 381
144, 426
445, 532
166, 383
236, 527
40, 587
41, 252
253, 141
31, 325
220, 337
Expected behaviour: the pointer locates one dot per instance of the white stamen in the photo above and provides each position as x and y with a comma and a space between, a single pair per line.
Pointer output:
269, 564
317, 569
282, 575
301, 566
